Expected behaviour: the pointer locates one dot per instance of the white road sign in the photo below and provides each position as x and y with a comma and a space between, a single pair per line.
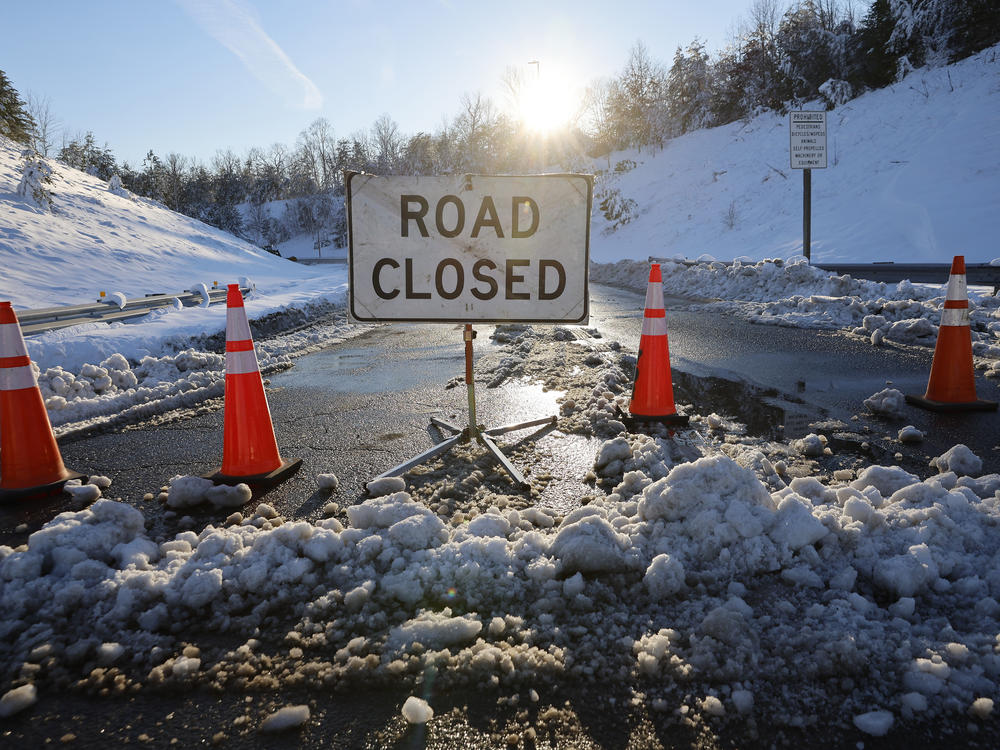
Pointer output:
469, 248
807, 133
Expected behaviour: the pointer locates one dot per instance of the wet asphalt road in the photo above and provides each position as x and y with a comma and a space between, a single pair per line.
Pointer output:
363, 406
815, 373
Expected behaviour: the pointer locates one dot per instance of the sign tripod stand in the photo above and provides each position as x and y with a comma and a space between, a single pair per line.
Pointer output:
473, 431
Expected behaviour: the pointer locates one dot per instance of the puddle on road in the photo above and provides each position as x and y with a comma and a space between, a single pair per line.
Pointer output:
354, 371
764, 411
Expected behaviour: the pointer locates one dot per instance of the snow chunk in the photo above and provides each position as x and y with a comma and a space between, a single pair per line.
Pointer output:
910, 434
385, 486
589, 545
201, 587
875, 723
327, 481
82, 493
419, 531
709, 482
384, 511
907, 574
811, 445
188, 491
435, 630
664, 576
885, 479
958, 459
797, 526
888, 402
17, 700
981, 708
417, 711
285, 718
712, 706
489, 524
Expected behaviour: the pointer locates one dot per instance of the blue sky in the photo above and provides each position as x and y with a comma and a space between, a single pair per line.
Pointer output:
193, 76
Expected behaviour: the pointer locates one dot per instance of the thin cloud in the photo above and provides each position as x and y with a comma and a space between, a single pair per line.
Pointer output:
236, 27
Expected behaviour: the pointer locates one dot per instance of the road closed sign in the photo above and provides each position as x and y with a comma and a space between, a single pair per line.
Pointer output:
469, 248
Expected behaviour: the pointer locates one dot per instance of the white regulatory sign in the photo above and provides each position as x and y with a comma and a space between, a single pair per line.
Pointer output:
807, 133
469, 248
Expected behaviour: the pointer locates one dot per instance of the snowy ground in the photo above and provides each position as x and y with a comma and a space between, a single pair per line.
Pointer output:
764, 584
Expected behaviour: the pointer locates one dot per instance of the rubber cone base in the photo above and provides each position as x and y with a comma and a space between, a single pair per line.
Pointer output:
52, 488
279, 475
946, 406
633, 420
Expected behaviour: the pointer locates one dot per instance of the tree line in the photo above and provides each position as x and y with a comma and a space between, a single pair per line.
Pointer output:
776, 59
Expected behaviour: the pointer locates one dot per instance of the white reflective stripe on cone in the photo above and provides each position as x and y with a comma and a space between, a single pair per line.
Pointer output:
17, 378
654, 296
955, 316
237, 326
11, 341
958, 289
654, 326
240, 363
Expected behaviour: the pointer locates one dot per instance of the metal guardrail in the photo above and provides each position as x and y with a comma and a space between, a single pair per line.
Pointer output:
52, 318
319, 261
976, 274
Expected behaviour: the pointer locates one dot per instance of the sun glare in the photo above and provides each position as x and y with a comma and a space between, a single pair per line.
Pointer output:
546, 104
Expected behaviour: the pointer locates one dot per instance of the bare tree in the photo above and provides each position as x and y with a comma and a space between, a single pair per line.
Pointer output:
318, 152
472, 128
175, 167
43, 133
386, 142
515, 83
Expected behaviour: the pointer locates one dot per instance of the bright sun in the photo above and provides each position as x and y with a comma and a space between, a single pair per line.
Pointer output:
546, 105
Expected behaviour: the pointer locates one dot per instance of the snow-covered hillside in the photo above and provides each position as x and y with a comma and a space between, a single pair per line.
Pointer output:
913, 176
96, 239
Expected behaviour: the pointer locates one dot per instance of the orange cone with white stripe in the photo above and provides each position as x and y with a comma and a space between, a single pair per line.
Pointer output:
952, 384
30, 462
653, 390
250, 450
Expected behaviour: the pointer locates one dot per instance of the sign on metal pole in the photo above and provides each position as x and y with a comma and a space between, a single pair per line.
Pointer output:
807, 145
469, 248
807, 151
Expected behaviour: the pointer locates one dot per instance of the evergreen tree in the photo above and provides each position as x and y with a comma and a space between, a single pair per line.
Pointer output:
84, 154
872, 64
15, 122
689, 88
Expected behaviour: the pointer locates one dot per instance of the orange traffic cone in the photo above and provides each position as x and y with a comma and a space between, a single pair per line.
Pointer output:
952, 384
653, 390
249, 451
30, 462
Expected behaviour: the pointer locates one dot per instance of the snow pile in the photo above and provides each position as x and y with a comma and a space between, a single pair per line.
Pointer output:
701, 579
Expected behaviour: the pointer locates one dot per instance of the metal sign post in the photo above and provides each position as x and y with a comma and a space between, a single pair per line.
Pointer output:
807, 151
464, 249
473, 431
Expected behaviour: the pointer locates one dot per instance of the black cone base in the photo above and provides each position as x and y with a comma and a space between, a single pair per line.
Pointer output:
43, 490
268, 479
34, 507
946, 406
